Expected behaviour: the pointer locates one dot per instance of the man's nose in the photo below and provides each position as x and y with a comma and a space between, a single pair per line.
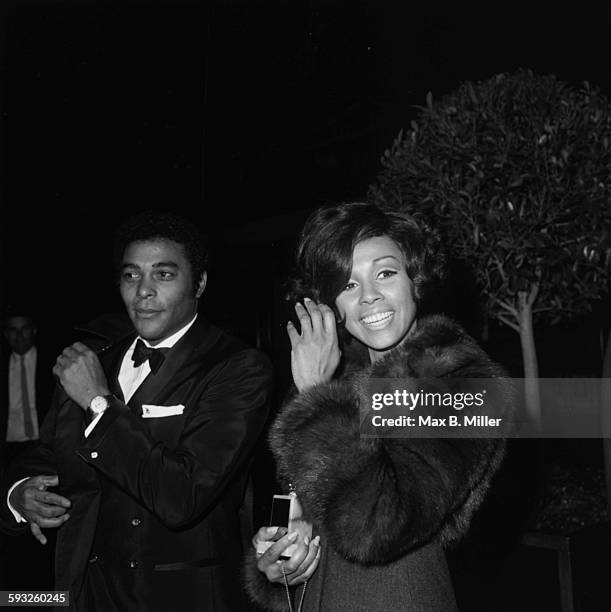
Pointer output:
146, 288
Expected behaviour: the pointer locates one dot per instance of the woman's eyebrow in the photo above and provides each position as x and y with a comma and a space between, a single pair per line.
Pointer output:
386, 257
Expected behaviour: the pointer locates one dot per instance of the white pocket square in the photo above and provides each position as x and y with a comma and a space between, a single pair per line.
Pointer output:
150, 411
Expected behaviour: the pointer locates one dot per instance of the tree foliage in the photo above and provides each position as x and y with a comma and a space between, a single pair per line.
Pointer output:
516, 170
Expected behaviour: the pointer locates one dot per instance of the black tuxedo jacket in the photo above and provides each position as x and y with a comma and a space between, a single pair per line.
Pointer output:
44, 383
154, 522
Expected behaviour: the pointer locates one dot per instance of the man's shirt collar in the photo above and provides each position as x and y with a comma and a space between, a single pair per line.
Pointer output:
170, 341
27, 356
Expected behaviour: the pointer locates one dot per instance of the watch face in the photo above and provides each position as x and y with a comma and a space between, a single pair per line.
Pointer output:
99, 404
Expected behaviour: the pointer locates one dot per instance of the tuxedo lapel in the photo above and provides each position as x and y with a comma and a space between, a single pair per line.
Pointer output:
199, 338
111, 359
45, 381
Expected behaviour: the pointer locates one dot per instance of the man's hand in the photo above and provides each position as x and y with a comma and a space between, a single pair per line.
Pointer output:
315, 352
298, 568
40, 507
81, 375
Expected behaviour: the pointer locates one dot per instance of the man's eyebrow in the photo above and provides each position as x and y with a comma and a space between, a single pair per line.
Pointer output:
157, 264
165, 264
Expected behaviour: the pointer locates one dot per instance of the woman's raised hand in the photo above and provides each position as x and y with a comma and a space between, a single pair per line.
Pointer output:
314, 352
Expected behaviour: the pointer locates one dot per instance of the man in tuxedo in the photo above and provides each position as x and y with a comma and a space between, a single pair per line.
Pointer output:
143, 459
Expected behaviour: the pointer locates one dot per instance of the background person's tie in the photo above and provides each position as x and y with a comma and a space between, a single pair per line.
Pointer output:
28, 424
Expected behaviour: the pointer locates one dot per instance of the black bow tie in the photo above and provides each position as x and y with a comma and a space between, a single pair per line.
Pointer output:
144, 353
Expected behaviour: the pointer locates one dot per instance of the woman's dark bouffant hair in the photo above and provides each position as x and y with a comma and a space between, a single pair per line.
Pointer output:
328, 238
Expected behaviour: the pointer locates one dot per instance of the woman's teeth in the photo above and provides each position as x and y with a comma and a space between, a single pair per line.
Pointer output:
377, 318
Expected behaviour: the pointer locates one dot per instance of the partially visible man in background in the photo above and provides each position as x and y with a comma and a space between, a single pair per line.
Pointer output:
22, 379
26, 385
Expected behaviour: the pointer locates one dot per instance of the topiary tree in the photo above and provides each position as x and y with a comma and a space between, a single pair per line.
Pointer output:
517, 171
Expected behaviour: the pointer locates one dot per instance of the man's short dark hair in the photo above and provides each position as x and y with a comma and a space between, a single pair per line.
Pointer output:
154, 225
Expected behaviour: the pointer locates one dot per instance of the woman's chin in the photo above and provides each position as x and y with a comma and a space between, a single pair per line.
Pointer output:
384, 341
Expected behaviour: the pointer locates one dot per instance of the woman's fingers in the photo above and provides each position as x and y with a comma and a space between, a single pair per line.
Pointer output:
308, 573
312, 548
315, 316
267, 563
265, 534
294, 336
304, 556
309, 564
315, 319
304, 559
315, 353
328, 320
298, 556
304, 320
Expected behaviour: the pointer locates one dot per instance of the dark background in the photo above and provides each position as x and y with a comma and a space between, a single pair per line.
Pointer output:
244, 115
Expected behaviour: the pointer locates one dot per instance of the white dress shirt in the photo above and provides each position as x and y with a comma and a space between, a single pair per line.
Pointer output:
131, 377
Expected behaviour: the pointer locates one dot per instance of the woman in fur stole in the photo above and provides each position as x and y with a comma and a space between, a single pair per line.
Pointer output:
382, 509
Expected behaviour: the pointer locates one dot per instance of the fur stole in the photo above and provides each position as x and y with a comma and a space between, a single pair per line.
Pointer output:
376, 499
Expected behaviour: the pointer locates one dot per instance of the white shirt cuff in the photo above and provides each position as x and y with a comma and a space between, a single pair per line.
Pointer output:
16, 514
91, 425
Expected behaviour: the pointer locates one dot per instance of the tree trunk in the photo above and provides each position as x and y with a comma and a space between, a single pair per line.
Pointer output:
532, 396
486, 329
605, 407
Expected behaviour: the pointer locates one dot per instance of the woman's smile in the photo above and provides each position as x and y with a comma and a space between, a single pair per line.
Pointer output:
377, 304
378, 320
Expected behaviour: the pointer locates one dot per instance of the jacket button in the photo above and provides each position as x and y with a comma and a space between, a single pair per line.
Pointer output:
94, 455
136, 522
93, 558
133, 564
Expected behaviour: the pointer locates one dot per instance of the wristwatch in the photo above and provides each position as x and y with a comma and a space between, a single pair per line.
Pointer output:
98, 405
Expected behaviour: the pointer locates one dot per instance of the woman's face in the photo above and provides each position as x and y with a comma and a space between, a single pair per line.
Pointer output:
377, 303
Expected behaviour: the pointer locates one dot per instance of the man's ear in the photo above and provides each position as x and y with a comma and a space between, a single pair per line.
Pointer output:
202, 285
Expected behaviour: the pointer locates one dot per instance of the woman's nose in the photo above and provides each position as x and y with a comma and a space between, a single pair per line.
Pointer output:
369, 293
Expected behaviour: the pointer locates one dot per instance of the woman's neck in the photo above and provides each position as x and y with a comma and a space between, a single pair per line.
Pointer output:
375, 355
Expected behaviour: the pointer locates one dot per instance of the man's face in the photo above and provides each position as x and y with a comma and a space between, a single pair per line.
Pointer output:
20, 334
157, 288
